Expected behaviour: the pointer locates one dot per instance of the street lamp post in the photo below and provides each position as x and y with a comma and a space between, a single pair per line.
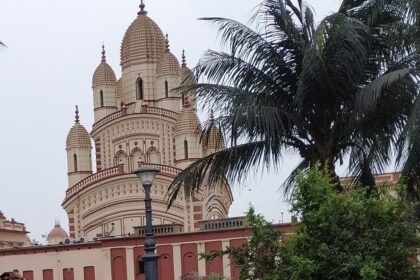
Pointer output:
146, 175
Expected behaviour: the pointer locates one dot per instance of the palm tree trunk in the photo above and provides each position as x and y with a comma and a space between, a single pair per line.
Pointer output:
323, 160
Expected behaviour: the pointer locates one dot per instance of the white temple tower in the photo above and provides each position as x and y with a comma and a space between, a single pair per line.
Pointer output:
78, 147
104, 86
138, 120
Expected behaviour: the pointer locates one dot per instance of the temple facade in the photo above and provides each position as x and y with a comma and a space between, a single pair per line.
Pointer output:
139, 120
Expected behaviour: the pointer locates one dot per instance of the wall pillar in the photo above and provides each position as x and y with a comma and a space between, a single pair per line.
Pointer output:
201, 262
106, 272
177, 260
130, 264
226, 259
78, 272
37, 273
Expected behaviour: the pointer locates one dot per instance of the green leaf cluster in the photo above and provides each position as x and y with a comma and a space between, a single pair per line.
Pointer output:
349, 235
260, 255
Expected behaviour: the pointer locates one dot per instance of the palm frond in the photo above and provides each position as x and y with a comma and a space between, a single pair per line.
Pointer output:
410, 173
277, 19
369, 95
369, 156
409, 134
246, 115
335, 60
348, 5
254, 123
223, 68
290, 181
360, 168
231, 164
246, 43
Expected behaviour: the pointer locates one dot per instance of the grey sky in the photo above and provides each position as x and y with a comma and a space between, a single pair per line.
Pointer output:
53, 47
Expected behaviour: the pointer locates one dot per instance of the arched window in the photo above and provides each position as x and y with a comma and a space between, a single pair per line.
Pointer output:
101, 98
139, 89
166, 89
185, 149
154, 156
75, 162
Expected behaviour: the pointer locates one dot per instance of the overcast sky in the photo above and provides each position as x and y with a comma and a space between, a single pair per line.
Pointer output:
53, 47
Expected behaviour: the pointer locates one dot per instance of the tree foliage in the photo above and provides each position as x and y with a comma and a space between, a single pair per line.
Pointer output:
345, 88
349, 235
259, 255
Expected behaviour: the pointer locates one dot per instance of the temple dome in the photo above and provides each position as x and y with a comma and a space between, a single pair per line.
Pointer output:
168, 65
143, 41
214, 139
57, 235
104, 74
188, 122
78, 137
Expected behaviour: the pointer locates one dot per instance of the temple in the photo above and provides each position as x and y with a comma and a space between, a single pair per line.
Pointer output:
139, 120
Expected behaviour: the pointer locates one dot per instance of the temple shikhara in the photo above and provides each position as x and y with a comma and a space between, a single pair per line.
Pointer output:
138, 120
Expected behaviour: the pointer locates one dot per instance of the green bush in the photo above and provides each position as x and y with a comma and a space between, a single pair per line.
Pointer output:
348, 235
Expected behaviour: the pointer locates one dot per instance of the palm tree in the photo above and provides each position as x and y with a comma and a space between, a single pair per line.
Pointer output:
346, 88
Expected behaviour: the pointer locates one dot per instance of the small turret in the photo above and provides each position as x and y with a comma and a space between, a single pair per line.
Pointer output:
104, 85
167, 78
187, 136
212, 139
141, 48
57, 235
78, 147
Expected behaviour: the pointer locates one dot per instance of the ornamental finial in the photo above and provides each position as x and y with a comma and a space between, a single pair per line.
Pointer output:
184, 60
167, 42
142, 11
76, 119
103, 53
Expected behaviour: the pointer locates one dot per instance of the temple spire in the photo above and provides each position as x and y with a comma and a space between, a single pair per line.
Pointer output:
142, 10
103, 53
167, 42
76, 118
184, 61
